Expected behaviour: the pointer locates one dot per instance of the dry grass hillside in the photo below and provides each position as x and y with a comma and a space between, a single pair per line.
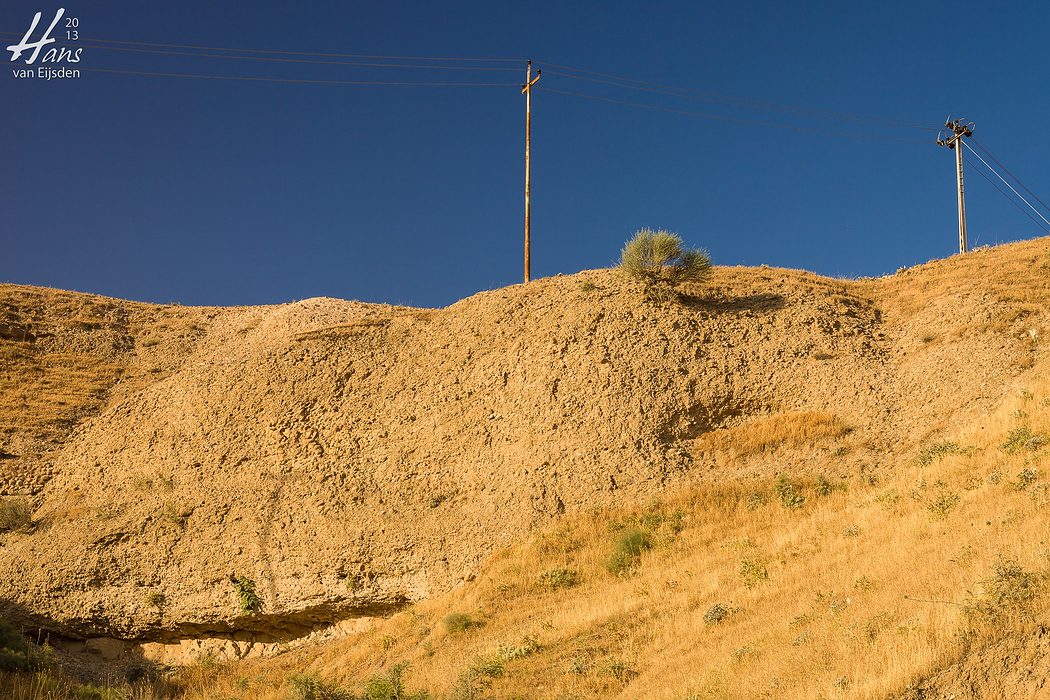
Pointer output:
783, 486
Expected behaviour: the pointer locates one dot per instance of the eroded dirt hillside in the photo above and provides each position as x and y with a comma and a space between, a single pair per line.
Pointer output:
349, 458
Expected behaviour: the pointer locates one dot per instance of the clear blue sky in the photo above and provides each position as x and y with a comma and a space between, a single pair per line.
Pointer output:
236, 192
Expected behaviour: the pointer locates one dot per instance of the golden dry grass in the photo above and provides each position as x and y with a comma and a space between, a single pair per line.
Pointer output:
767, 433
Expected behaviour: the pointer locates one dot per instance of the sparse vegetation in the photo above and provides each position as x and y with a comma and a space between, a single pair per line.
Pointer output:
789, 494
1023, 439
753, 572
661, 262
247, 596
154, 599
310, 686
627, 551
928, 455
557, 578
391, 686
16, 653
15, 513
943, 502
458, 623
716, 613
1010, 591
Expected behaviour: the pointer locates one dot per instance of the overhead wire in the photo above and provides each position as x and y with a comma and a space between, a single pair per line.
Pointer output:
720, 117
363, 83
1010, 199
1007, 171
695, 93
1005, 182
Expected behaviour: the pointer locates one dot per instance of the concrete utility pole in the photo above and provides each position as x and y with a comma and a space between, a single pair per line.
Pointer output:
960, 127
526, 90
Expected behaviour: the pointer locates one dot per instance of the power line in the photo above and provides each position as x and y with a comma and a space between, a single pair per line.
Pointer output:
294, 53
364, 83
1009, 198
270, 59
996, 173
694, 93
723, 118
1007, 171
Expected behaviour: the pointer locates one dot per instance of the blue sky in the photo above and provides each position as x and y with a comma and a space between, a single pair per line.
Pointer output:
244, 192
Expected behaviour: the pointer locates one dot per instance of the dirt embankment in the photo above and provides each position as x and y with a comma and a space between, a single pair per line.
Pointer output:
348, 458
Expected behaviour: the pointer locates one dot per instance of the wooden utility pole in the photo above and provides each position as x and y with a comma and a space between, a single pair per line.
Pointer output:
526, 90
960, 128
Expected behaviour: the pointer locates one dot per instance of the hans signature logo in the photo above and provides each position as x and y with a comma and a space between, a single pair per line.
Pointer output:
54, 55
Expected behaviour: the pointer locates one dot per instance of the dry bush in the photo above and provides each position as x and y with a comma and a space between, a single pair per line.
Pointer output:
15, 513
661, 262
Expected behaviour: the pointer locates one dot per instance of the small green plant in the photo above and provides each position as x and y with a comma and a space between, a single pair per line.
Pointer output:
851, 531
15, 513
1010, 591
16, 653
1022, 438
558, 578
931, 453
491, 667
753, 572
1025, 478
526, 647
627, 551
621, 671
247, 596
309, 686
716, 613
154, 599
660, 261
457, 623
174, 515
587, 286
391, 686
789, 493
756, 499
743, 653
943, 503
862, 584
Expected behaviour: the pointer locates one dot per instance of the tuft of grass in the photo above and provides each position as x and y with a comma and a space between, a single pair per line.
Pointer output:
1011, 591
1025, 478
943, 503
391, 686
247, 596
528, 646
789, 493
661, 262
16, 653
627, 551
458, 623
753, 572
716, 613
154, 599
1022, 438
310, 686
767, 434
930, 454
555, 579
15, 513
